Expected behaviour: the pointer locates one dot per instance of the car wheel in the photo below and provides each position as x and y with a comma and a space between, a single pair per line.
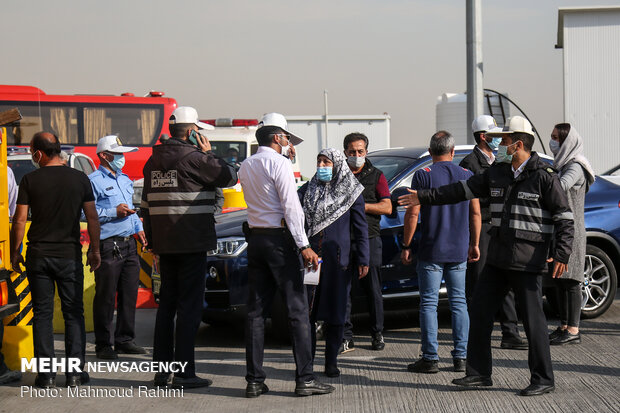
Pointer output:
600, 283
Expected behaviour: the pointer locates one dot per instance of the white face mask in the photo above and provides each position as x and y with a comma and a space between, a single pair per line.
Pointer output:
356, 161
285, 148
36, 163
554, 146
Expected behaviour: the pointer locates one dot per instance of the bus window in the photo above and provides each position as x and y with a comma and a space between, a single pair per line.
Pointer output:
60, 120
134, 125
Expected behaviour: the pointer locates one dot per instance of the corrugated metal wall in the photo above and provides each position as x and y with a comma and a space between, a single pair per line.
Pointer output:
592, 83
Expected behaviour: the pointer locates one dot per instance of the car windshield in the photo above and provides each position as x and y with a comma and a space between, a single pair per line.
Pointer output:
391, 166
233, 152
20, 168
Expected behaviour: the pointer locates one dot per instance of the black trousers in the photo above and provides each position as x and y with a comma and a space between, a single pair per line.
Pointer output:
274, 264
569, 292
119, 272
492, 287
371, 285
507, 314
182, 296
44, 274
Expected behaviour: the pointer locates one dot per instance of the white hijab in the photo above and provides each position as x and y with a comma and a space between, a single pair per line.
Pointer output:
571, 150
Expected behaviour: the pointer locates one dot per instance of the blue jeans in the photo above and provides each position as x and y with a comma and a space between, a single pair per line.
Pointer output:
429, 279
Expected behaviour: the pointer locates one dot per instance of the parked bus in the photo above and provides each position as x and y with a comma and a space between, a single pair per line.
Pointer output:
80, 120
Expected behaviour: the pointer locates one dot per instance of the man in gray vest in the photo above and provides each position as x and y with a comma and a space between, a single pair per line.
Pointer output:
178, 203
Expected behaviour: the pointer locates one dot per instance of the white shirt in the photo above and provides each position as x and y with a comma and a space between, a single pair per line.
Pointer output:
490, 158
270, 191
518, 171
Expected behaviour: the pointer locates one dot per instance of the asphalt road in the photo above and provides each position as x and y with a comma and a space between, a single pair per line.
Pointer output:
587, 376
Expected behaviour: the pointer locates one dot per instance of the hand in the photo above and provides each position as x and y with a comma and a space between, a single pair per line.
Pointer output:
123, 210
410, 199
142, 239
203, 143
559, 268
363, 271
93, 259
473, 254
310, 258
406, 256
291, 152
17, 260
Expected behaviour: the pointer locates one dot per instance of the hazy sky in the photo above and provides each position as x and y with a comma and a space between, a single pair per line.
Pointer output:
245, 58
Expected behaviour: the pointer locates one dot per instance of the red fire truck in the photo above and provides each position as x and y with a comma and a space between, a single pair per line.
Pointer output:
80, 120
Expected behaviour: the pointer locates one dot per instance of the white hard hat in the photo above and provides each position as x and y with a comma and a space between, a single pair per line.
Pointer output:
515, 124
483, 123
187, 114
112, 143
277, 119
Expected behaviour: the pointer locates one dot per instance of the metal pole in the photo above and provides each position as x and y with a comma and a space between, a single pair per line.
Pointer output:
474, 64
324, 140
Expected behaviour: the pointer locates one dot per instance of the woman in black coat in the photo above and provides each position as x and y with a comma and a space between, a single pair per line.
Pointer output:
335, 218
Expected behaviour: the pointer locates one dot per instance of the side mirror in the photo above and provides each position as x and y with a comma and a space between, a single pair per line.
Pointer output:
403, 190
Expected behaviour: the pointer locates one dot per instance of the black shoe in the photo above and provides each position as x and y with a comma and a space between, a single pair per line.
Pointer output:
107, 353
190, 382
377, 342
556, 333
566, 338
346, 346
255, 389
129, 348
424, 366
537, 389
332, 371
311, 387
162, 379
10, 376
473, 381
45, 382
514, 343
459, 364
74, 380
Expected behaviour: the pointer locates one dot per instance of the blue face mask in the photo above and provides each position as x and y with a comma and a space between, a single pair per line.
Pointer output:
324, 173
494, 144
117, 163
502, 154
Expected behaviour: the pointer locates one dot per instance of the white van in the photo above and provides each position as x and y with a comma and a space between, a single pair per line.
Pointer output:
234, 140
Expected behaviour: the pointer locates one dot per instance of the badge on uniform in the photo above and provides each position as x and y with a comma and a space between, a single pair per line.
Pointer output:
528, 196
496, 192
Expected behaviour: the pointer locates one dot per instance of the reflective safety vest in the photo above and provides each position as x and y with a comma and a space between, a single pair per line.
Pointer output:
178, 200
530, 215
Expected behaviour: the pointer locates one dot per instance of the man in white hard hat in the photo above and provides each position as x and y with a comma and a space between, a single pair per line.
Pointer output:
178, 203
277, 243
478, 161
532, 224
119, 272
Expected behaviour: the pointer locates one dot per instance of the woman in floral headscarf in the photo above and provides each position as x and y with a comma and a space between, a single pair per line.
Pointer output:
335, 222
576, 176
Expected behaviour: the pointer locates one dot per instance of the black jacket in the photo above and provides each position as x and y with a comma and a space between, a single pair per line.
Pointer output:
528, 212
178, 200
369, 177
477, 163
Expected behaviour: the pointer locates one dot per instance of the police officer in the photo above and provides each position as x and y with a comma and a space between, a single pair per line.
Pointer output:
377, 199
531, 225
178, 203
478, 161
120, 267
276, 239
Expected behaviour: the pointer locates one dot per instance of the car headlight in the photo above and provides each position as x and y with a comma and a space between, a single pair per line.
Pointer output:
229, 247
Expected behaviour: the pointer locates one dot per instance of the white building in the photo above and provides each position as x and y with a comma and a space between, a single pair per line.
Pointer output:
590, 39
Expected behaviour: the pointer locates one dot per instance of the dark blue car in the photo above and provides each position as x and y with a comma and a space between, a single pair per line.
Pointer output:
226, 291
